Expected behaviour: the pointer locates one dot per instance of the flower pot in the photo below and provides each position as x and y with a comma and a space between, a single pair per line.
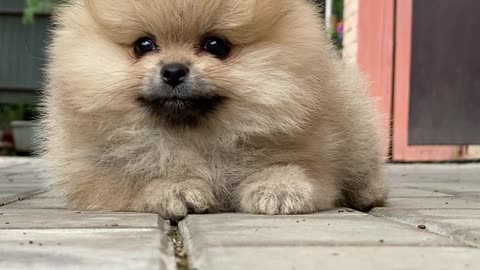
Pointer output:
23, 136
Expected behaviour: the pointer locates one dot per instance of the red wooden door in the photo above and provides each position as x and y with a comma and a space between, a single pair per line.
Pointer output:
375, 55
384, 55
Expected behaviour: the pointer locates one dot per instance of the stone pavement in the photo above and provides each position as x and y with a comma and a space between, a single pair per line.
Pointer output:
432, 221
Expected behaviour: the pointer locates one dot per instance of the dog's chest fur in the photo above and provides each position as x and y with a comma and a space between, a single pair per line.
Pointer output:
159, 159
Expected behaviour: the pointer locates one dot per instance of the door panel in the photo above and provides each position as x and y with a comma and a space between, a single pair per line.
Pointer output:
445, 73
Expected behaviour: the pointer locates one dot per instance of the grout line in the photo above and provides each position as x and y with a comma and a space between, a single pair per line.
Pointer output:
21, 196
95, 228
181, 256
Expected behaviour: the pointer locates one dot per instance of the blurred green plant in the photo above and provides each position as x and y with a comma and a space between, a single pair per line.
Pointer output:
335, 35
34, 7
10, 113
16, 112
338, 6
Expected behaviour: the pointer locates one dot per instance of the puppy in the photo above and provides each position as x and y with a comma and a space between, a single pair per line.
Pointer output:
193, 106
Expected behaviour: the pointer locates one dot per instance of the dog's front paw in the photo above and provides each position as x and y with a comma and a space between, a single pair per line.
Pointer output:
271, 199
174, 201
276, 192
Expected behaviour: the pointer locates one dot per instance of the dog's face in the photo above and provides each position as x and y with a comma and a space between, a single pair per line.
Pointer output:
243, 65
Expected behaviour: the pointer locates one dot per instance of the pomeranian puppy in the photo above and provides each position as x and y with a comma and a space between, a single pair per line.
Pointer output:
195, 106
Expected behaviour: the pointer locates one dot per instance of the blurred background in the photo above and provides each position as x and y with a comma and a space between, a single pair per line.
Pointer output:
420, 58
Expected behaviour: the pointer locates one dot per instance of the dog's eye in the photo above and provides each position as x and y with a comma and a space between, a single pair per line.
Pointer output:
143, 46
219, 47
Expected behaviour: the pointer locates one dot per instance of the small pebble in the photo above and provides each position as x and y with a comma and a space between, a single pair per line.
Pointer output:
40, 244
422, 227
341, 211
7, 223
381, 241
446, 202
350, 210
335, 254
30, 242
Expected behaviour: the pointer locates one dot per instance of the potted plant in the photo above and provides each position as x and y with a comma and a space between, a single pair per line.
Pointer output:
23, 129
8, 113
18, 120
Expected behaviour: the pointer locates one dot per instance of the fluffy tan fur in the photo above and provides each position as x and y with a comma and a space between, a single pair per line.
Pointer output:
297, 133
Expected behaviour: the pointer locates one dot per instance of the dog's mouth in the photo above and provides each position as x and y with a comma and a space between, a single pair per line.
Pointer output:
182, 111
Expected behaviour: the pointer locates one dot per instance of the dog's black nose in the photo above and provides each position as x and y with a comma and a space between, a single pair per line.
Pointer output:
175, 74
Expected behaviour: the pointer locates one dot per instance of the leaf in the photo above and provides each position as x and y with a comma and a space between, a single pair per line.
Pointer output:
34, 7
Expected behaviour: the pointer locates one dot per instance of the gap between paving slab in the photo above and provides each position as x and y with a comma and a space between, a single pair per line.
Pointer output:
181, 255
15, 197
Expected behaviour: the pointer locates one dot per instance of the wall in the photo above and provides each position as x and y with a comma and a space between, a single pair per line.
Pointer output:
350, 46
21, 53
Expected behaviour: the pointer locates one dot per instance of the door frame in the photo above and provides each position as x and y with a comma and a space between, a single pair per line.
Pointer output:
384, 55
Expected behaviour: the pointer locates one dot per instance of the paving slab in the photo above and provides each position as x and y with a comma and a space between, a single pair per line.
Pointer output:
415, 192
9, 162
37, 232
19, 178
239, 230
134, 249
451, 187
53, 218
37, 202
9, 196
444, 198
433, 202
17, 189
36, 167
461, 224
202, 234
23, 184
433, 172
335, 258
